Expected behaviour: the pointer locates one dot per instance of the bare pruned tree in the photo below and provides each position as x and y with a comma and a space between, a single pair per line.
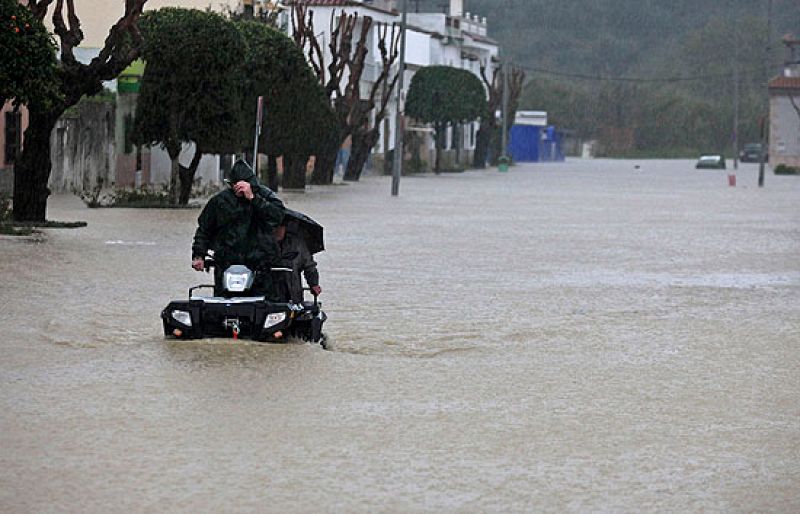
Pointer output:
341, 78
121, 47
365, 132
487, 138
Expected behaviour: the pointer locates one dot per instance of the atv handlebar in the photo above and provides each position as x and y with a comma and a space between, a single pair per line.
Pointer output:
209, 263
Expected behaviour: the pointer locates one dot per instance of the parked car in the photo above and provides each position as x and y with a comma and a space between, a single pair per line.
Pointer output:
751, 153
711, 162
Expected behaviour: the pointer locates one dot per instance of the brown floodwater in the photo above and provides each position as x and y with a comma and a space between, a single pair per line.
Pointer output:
578, 337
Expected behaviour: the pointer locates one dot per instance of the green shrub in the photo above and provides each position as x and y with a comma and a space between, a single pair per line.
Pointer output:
782, 169
145, 196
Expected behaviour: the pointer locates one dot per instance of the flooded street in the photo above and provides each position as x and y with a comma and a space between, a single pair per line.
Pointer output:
577, 337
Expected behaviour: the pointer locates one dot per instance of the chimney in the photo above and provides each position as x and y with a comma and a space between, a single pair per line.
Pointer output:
791, 65
456, 8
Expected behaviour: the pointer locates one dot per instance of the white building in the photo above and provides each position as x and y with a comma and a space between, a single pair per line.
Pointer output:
456, 39
784, 108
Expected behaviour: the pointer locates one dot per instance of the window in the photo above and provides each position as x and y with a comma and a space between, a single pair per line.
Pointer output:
13, 136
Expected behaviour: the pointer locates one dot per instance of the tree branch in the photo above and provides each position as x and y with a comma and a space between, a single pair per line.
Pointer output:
304, 36
39, 8
119, 51
69, 36
356, 62
122, 45
388, 58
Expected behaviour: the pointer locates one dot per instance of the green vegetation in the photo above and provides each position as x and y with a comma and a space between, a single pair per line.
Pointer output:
28, 64
634, 117
191, 88
297, 114
444, 96
203, 76
144, 197
782, 169
563, 45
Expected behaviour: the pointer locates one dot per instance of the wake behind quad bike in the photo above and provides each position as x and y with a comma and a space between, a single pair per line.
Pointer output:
240, 314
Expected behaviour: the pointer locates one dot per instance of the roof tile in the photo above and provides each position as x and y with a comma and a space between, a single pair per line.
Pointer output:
785, 83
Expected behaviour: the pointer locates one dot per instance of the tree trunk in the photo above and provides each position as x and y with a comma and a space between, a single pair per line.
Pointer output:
363, 142
496, 146
32, 168
482, 141
457, 144
272, 172
388, 156
187, 177
294, 171
174, 174
324, 167
438, 136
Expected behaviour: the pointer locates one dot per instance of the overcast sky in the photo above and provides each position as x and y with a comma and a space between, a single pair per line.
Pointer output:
98, 15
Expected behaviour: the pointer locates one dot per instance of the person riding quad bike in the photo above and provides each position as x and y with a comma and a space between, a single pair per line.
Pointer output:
237, 224
250, 273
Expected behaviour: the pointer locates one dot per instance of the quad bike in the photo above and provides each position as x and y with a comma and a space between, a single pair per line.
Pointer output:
239, 313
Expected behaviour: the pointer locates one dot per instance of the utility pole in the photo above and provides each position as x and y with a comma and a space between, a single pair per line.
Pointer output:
504, 66
735, 87
259, 111
397, 169
765, 120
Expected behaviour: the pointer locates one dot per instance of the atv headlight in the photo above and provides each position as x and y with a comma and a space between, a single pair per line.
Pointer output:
182, 317
274, 318
236, 282
238, 279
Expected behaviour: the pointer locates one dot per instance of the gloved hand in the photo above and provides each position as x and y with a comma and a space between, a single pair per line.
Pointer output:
316, 290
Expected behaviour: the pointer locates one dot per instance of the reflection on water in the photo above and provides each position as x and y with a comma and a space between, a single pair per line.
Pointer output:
569, 337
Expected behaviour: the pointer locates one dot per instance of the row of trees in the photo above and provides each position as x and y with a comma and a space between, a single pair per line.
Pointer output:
359, 113
196, 90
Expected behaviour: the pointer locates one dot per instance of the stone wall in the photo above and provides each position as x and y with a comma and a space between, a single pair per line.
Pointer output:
82, 148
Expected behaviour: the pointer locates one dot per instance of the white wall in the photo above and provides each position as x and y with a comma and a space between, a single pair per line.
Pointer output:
161, 165
418, 46
784, 146
433, 22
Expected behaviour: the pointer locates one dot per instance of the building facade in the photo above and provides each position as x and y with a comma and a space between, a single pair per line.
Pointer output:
455, 38
784, 110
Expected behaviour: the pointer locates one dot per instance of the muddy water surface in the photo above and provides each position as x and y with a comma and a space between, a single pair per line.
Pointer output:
576, 337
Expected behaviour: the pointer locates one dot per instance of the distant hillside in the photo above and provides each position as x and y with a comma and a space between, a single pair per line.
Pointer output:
610, 37
564, 44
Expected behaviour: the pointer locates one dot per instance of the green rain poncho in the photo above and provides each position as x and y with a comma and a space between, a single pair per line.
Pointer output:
240, 230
